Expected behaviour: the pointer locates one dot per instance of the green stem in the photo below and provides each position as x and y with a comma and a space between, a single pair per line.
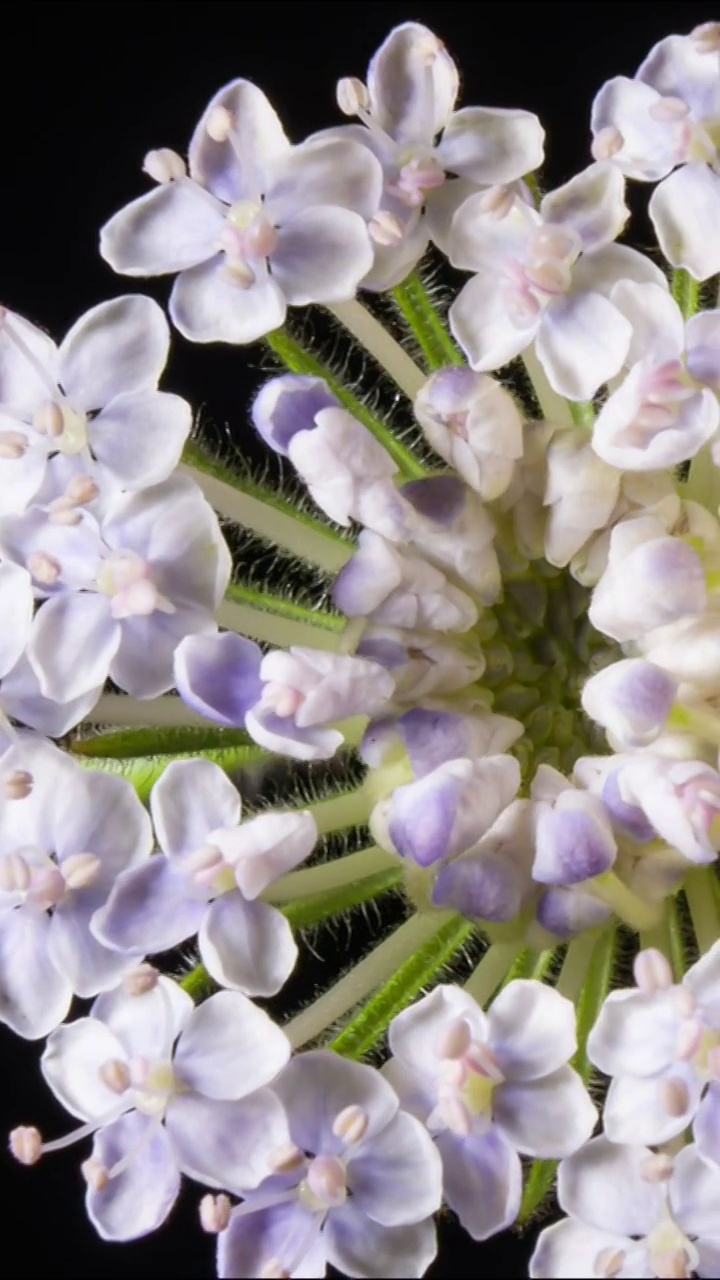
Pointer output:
261, 616
701, 902
298, 360
142, 773
376, 340
575, 965
686, 292
371, 972
351, 809
267, 514
489, 974
359, 1036
322, 906
703, 724
336, 874
582, 414
678, 951
161, 742
198, 983
425, 324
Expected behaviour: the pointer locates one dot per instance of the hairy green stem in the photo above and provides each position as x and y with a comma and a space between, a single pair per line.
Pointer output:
685, 290
376, 340
298, 360
162, 742
582, 414
351, 809
423, 321
278, 622
370, 972
322, 906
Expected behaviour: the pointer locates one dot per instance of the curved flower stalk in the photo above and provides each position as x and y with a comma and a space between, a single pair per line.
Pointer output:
468, 670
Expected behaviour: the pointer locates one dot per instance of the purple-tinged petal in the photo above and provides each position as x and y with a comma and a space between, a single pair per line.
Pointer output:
284, 1234
592, 204
169, 229
678, 67
484, 886
397, 1178
703, 981
140, 435
101, 814
247, 946
149, 910
117, 348
552, 1116
191, 799
480, 323
684, 211
695, 1197
359, 1247
482, 1181
531, 1030
237, 168
226, 1144
16, 611
138, 1200
702, 336
657, 321
567, 911
602, 1184
21, 477
147, 1024
22, 387
492, 145
706, 1127
267, 847
322, 255
601, 270
636, 1109
636, 1033
631, 698
206, 305
72, 1066
218, 675
281, 734
34, 996
569, 1248
22, 699
329, 171
229, 1048
414, 1033
413, 83
288, 404
582, 341
315, 1087
621, 112
143, 663
73, 642
87, 964
574, 840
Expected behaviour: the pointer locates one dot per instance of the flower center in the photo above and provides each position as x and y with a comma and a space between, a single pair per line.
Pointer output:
419, 171
544, 273
127, 578
248, 238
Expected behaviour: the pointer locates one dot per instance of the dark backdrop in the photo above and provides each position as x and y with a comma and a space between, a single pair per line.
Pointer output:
87, 89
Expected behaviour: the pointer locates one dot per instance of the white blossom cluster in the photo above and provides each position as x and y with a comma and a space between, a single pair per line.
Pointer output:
516, 647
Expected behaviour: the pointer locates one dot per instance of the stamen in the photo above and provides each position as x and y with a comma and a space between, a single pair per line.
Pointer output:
219, 124
325, 1179
706, 37
80, 870
26, 1144
115, 1074
350, 1125
274, 1270
496, 202
455, 1040
48, 419
657, 1168
140, 980
44, 567
607, 143
164, 165
18, 784
214, 1213
95, 1173
15, 875
669, 109
13, 445
385, 228
352, 96
674, 1096
609, 1262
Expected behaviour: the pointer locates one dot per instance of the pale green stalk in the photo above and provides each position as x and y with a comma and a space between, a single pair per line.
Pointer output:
489, 973
703, 912
554, 407
120, 709
365, 976
351, 809
330, 875
374, 337
274, 629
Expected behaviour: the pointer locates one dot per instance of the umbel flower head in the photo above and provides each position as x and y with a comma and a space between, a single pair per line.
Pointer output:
464, 663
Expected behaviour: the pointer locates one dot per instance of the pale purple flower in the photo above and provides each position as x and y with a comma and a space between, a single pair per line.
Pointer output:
491, 881
581, 495
632, 1213
661, 1044
120, 595
412, 86
574, 839
353, 1185
94, 397
632, 699
63, 842
680, 799
286, 700
422, 663
167, 1089
651, 580
546, 277
209, 881
258, 224
432, 735
490, 1086
475, 425
399, 588
663, 118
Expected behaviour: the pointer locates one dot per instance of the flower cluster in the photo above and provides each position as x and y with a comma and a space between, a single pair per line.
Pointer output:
482, 673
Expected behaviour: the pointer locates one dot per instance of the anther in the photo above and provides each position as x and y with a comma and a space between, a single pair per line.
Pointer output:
286, 1158
139, 980
164, 165
350, 1125
669, 109
385, 228
80, 870
674, 1096
706, 37
607, 143
44, 567
274, 1270
13, 445
49, 420
609, 1262
115, 1075
657, 1168
496, 202
214, 1212
351, 96
455, 1040
219, 124
26, 1144
17, 785
95, 1173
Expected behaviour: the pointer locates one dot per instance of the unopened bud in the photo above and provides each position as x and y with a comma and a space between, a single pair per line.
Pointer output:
657, 1168
286, 1158
13, 445
95, 1173
219, 124
115, 1075
214, 1213
64, 515
351, 96
607, 143
49, 420
706, 37
350, 1125
17, 785
26, 1144
44, 567
139, 980
455, 1040
674, 1096
651, 971
164, 165
80, 870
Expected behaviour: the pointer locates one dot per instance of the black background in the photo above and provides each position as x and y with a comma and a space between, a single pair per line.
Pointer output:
87, 89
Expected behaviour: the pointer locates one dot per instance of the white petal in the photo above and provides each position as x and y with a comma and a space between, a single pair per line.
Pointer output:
552, 1116
397, 1178
703, 347
72, 1064
266, 847
206, 306
226, 1144
229, 1048
146, 1025
414, 1034
322, 255
191, 799
22, 387
247, 946
118, 346
703, 980
685, 211
570, 1248
635, 1112
257, 134
34, 996
592, 203
73, 642
656, 319
137, 1200
413, 83
531, 1030
482, 1179
16, 611
602, 269
649, 149
695, 1195
325, 171
582, 341
360, 1247
316, 1086
139, 437
492, 145
171, 228
480, 324
601, 1184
